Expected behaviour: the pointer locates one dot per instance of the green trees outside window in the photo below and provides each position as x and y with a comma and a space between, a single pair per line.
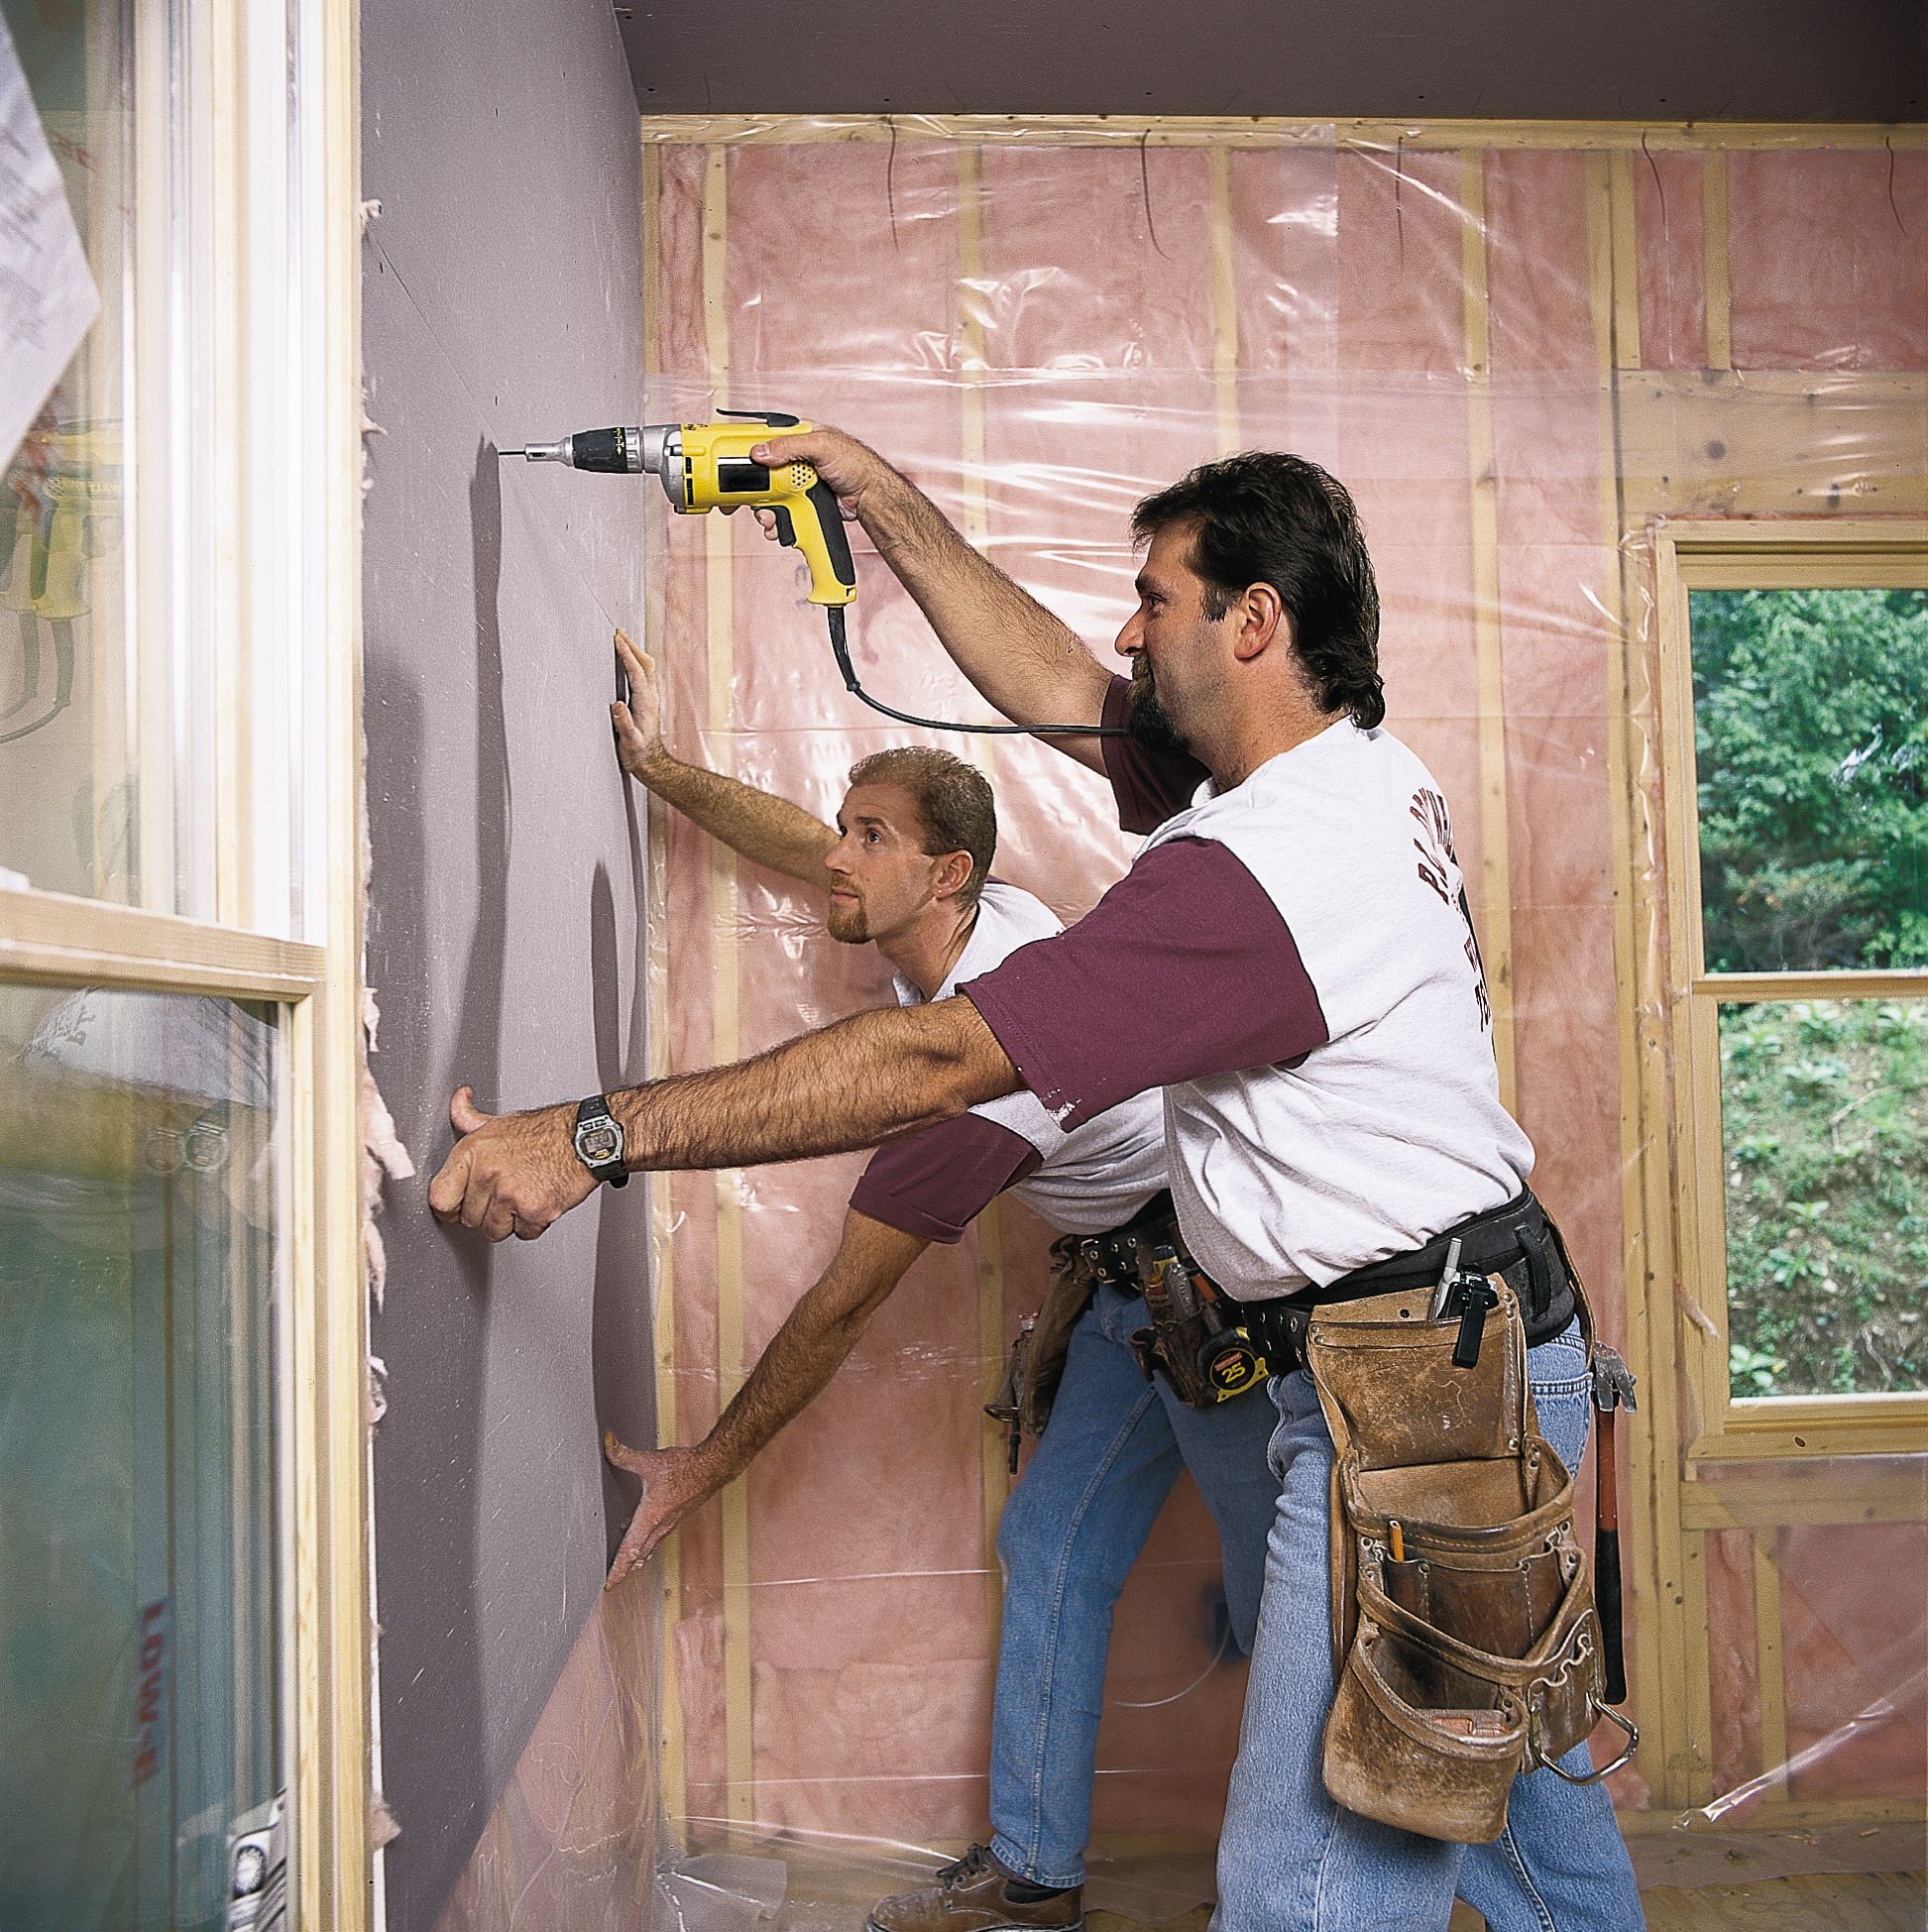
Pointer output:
1825, 1106
1811, 747
1811, 740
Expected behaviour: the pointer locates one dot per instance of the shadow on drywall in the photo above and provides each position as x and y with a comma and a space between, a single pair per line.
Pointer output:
621, 1337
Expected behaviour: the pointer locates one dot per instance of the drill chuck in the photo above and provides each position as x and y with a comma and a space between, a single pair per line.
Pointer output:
614, 452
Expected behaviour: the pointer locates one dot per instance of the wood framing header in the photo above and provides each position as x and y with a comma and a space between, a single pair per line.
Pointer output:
1256, 130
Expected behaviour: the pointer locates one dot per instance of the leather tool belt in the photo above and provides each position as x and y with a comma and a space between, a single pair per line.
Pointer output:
1467, 1645
1194, 1338
1520, 1242
1036, 1363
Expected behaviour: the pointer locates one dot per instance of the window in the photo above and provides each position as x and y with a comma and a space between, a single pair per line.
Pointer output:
1796, 687
182, 1349
138, 1243
150, 555
68, 819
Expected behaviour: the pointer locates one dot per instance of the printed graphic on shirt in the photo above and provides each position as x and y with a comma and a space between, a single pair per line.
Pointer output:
1438, 864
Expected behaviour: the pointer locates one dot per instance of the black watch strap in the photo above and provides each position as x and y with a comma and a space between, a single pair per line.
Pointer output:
599, 1141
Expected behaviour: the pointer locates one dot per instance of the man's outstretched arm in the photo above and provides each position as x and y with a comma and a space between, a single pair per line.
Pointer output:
803, 1355
1027, 662
863, 1081
764, 829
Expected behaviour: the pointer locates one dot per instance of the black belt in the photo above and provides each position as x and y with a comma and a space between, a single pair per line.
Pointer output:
1518, 1242
1115, 1257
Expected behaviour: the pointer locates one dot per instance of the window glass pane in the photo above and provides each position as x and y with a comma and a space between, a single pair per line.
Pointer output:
1824, 1110
1811, 740
138, 1627
66, 785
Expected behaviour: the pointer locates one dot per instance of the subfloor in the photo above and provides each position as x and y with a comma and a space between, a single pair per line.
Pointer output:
1878, 1901
1736, 1882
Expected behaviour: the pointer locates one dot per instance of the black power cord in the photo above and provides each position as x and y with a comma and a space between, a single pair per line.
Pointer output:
840, 650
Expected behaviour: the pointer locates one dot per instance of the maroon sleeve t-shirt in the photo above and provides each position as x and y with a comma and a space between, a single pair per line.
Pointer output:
1184, 969
934, 1183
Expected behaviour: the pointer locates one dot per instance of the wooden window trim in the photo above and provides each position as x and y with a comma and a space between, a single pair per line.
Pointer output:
52, 940
1793, 554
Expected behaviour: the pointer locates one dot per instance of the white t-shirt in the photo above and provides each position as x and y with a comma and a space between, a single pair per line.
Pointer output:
1294, 964
1392, 1130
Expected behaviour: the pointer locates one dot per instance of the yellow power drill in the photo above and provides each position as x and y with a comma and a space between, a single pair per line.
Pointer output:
707, 466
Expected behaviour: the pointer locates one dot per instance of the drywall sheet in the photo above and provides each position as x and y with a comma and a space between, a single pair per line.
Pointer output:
507, 912
1517, 358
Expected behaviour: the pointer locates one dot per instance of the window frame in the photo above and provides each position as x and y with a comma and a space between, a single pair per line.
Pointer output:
238, 108
1839, 553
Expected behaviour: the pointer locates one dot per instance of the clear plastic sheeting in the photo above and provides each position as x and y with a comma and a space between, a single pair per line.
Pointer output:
1522, 359
719, 1891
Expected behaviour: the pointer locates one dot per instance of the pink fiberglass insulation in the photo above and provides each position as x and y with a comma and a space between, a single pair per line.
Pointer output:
1040, 331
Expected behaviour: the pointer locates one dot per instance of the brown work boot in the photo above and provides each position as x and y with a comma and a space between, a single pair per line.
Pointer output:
977, 1894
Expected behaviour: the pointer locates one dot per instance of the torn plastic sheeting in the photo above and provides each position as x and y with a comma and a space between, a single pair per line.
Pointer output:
821, 1883
1884, 1711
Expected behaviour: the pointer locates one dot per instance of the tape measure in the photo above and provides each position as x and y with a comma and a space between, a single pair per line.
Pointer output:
1230, 1364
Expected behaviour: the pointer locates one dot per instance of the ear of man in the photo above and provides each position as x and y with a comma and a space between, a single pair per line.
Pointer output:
953, 874
1261, 623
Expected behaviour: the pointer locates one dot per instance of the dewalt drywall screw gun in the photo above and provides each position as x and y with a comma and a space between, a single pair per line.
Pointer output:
705, 466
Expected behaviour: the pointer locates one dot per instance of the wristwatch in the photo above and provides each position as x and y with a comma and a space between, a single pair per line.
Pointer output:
599, 1141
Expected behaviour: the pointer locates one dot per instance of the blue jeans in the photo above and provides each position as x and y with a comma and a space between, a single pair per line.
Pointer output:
1073, 1529
1289, 1860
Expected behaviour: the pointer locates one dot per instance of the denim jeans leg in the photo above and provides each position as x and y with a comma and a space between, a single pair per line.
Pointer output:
1291, 1861
1227, 1450
1288, 1859
1560, 1862
1070, 1532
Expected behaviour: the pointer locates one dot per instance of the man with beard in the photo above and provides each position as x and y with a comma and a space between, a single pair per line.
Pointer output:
907, 868
1290, 959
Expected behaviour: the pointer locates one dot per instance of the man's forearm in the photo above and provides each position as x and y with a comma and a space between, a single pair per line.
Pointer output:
1026, 662
865, 1079
809, 1347
853, 1084
762, 828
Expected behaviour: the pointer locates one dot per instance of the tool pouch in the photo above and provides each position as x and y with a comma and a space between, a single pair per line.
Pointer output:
1171, 1348
1037, 1361
1466, 1643
1203, 1353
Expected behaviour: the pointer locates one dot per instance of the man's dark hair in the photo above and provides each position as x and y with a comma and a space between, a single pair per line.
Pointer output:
952, 798
1271, 518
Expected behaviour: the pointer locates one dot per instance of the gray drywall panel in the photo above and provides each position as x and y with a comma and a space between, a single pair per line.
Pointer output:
501, 284
1499, 59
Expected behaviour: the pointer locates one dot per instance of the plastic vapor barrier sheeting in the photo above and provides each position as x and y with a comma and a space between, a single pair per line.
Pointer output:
1523, 362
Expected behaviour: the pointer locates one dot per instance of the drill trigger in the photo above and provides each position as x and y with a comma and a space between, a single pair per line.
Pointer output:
786, 530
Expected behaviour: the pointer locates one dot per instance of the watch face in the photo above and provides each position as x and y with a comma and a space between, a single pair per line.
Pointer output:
599, 1143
